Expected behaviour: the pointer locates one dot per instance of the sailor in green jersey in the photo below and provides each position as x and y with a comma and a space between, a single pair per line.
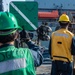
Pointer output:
13, 61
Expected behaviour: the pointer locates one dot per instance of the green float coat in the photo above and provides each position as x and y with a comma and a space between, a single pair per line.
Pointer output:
16, 61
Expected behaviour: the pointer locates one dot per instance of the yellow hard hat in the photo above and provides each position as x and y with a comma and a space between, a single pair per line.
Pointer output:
64, 17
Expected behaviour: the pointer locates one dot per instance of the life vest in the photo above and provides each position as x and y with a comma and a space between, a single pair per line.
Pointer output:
61, 45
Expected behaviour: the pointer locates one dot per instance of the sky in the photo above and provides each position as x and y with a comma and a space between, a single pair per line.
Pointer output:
6, 3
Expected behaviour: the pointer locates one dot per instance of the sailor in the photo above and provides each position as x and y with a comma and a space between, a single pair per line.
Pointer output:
35, 49
61, 48
13, 61
44, 32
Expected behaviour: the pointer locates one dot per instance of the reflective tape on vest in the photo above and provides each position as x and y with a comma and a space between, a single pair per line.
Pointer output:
13, 64
60, 34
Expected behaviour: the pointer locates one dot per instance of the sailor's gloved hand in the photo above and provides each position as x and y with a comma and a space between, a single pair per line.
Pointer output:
24, 36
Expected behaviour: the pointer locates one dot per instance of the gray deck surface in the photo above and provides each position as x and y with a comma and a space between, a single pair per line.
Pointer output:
45, 68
